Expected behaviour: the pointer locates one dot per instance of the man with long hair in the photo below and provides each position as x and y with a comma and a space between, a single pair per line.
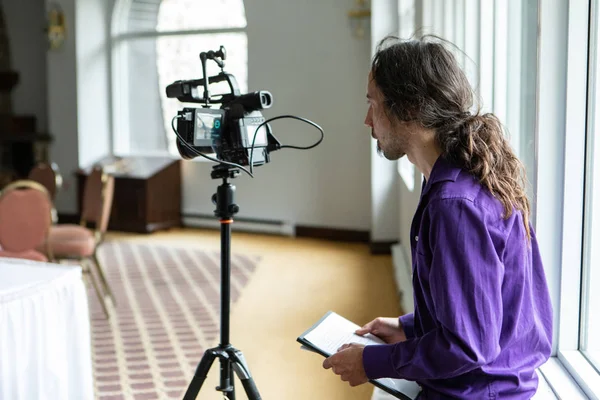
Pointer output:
482, 321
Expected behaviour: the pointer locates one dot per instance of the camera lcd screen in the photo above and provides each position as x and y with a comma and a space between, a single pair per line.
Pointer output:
208, 127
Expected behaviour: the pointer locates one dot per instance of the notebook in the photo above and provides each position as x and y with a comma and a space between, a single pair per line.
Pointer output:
332, 331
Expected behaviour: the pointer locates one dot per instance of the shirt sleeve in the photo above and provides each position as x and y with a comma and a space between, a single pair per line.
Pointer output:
408, 325
465, 280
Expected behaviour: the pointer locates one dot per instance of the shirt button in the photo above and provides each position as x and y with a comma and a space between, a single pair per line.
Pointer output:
416, 238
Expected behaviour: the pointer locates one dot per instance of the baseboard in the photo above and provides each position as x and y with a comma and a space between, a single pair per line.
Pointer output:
378, 248
270, 227
240, 224
338, 235
279, 228
403, 277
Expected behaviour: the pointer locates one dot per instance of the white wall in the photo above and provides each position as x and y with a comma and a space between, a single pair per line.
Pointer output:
306, 57
62, 109
25, 21
78, 89
93, 128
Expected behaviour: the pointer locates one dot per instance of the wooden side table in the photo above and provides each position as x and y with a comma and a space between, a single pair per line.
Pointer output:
147, 192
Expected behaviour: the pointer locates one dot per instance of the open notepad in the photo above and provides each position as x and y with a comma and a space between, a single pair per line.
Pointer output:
332, 331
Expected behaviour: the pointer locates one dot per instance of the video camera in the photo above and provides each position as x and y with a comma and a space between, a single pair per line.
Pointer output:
240, 136
236, 132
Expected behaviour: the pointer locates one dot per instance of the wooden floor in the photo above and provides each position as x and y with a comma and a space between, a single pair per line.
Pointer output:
296, 282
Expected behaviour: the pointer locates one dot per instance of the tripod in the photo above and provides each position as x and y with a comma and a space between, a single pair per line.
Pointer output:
231, 359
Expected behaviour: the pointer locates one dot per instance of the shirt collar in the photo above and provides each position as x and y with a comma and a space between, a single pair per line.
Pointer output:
443, 170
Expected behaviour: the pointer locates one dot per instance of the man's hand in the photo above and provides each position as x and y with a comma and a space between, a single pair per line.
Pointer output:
348, 363
387, 329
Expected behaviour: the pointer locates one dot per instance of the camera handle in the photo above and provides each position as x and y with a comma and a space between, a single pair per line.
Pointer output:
218, 57
231, 359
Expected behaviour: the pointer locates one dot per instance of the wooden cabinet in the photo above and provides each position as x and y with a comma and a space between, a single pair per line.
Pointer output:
147, 192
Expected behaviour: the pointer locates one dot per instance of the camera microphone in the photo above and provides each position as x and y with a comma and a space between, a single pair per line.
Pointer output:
183, 88
187, 90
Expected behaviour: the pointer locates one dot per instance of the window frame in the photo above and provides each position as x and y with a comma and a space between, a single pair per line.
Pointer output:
593, 123
574, 164
120, 143
565, 282
577, 164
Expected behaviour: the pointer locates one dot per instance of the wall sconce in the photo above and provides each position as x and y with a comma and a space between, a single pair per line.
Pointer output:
56, 30
360, 18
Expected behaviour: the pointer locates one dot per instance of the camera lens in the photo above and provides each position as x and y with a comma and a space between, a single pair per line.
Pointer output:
185, 152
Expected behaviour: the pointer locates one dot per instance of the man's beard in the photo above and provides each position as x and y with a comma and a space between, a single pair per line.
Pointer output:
391, 157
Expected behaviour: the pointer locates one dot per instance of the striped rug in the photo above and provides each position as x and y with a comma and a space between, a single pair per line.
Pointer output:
167, 313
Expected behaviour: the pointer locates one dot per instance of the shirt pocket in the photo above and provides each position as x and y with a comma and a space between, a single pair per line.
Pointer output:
422, 263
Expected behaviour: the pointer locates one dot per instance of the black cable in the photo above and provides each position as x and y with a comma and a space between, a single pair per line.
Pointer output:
286, 146
181, 140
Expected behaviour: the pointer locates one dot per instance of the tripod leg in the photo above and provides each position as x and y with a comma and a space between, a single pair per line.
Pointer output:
200, 375
242, 371
232, 383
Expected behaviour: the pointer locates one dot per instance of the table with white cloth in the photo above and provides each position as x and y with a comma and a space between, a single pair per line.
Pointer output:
45, 346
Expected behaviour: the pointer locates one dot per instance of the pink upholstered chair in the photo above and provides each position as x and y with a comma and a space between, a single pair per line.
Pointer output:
25, 218
70, 241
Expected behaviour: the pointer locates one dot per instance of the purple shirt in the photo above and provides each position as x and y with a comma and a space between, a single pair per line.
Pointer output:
482, 321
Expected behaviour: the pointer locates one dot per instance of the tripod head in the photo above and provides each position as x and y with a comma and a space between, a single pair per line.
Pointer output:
224, 199
223, 171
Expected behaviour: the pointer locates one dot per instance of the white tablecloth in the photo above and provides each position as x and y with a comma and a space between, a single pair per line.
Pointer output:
45, 348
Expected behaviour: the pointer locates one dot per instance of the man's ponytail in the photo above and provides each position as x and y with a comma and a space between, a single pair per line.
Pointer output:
477, 143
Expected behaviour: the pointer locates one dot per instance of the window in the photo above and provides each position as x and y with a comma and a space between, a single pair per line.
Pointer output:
590, 323
157, 42
406, 22
496, 46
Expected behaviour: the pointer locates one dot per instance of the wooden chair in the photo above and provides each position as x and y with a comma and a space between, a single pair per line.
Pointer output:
71, 241
25, 219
